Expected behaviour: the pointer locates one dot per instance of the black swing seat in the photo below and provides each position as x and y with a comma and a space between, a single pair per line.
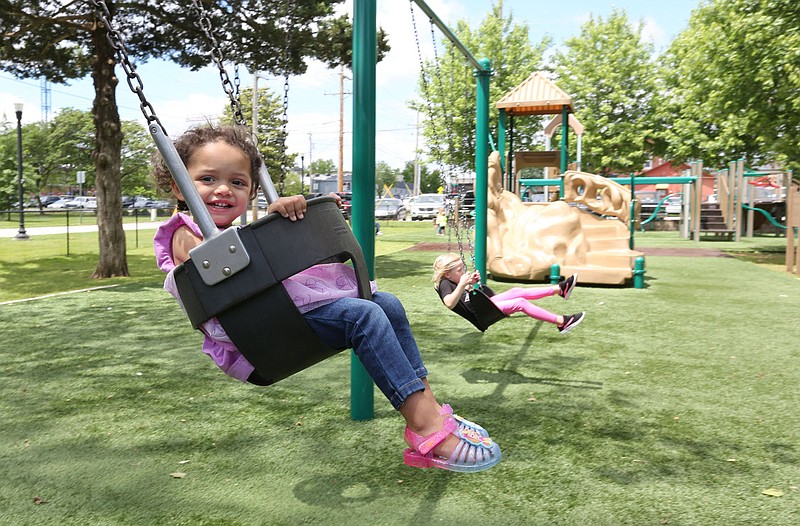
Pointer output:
254, 308
486, 312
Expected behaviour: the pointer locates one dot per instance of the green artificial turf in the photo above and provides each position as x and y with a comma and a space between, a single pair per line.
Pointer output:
672, 404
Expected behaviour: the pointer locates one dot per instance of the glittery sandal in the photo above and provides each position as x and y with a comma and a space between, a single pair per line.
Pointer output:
463, 423
473, 453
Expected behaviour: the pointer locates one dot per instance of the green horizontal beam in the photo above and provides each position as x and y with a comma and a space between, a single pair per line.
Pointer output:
540, 182
619, 180
451, 36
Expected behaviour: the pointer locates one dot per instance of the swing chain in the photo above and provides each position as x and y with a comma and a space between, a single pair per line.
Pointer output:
286, 69
218, 58
448, 116
134, 80
435, 147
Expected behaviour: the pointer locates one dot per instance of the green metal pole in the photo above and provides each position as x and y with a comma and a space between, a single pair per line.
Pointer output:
501, 143
564, 145
631, 221
638, 273
564, 133
481, 163
362, 392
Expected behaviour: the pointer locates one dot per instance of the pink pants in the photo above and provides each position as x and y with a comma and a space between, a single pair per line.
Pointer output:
517, 300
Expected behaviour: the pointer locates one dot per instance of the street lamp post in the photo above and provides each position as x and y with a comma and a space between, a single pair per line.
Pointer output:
21, 234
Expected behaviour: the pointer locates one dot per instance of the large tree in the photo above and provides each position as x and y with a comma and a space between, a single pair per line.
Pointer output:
447, 85
609, 72
734, 84
61, 41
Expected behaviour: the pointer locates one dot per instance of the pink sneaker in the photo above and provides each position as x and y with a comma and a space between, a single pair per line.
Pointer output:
474, 452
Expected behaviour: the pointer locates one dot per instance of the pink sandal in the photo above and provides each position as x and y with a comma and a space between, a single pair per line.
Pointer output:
463, 423
474, 452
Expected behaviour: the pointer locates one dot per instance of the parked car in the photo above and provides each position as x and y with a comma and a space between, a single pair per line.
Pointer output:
426, 206
142, 202
466, 203
390, 209
81, 201
347, 203
161, 203
46, 200
59, 203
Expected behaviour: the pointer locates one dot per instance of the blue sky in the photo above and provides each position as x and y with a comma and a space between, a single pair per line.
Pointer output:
183, 98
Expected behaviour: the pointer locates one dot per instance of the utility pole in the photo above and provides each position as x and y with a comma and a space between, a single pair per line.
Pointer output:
342, 93
341, 129
310, 149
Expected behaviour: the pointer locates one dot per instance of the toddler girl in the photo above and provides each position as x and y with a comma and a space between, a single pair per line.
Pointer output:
222, 162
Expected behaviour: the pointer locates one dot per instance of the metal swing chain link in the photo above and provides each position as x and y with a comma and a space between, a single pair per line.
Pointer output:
448, 117
284, 130
132, 77
435, 145
216, 55
426, 90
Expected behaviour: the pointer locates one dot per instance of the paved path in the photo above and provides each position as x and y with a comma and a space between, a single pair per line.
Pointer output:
73, 229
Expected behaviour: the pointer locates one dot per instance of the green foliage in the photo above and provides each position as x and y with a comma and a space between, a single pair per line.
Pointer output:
65, 41
447, 85
734, 84
385, 175
9, 170
430, 180
55, 151
322, 167
336, 37
270, 130
609, 72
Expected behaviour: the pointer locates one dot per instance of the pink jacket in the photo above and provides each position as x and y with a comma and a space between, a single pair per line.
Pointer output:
312, 288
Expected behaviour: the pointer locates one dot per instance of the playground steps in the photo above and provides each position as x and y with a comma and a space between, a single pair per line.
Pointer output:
608, 260
605, 268
712, 222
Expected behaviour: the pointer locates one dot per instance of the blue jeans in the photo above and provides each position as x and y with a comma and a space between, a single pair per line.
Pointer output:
379, 334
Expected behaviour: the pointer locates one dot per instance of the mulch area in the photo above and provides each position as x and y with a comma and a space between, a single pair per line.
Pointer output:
691, 252
648, 251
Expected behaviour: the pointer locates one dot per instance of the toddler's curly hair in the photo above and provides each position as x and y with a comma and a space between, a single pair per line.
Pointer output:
194, 138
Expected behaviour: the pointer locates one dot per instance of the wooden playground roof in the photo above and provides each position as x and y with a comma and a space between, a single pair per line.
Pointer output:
535, 96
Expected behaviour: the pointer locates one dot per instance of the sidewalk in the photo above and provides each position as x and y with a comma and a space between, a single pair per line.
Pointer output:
73, 229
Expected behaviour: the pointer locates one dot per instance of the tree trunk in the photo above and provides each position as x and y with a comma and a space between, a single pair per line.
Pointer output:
108, 130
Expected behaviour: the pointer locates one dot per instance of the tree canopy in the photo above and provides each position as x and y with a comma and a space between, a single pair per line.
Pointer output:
61, 41
733, 80
447, 86
608, 71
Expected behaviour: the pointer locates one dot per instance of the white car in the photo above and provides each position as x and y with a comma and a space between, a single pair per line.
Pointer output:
426, 206
61, 203
82, 202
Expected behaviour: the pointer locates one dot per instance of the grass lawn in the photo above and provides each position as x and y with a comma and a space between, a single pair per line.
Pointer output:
673, 404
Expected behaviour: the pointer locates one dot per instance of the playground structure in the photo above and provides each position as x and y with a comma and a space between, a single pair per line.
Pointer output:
586, 232
739, 201
584, 226
793, 225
